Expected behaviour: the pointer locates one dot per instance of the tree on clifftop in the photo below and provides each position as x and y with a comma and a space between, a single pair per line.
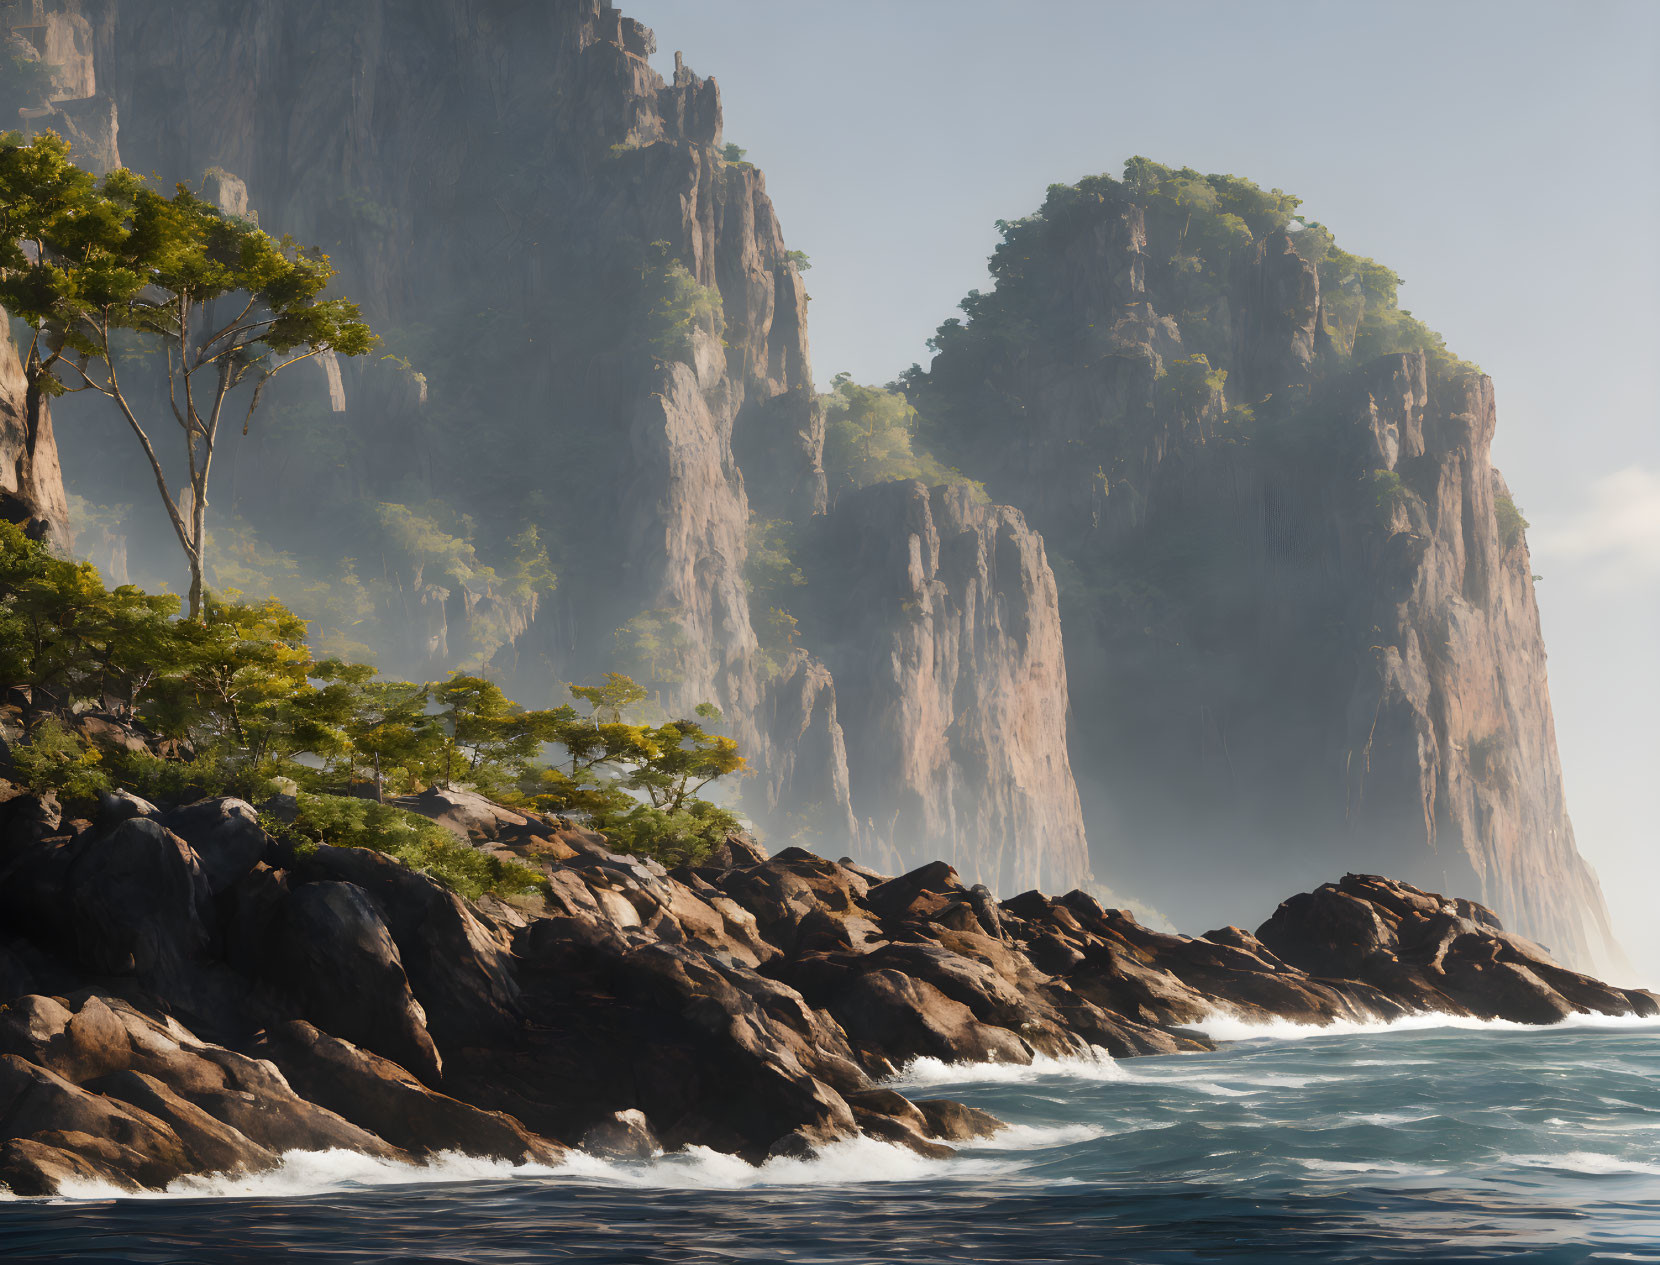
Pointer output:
102, 269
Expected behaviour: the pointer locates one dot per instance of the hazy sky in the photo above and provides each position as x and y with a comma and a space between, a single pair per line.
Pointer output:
1503, 157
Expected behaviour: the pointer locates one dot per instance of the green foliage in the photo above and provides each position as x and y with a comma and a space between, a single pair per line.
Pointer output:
774, 582
733, 154
677, 306
66, 637
678, 837
496, 739
798, 260
1511, 523
101, 269
870, 436
1386, 491
346, 822
611, 698
1191, 386
1049, 317
25, 82
653, 646
640, 785
252, 704
57, 759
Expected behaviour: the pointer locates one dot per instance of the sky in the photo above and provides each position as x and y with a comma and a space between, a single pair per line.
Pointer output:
1503, 157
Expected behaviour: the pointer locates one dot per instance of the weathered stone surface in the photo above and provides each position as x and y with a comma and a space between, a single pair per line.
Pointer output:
382, 1097
31, 480
225, 834
1301, 639
749, 1005
329, 948
939, 619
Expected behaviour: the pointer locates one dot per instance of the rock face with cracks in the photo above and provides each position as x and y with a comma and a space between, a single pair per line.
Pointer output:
166, 1011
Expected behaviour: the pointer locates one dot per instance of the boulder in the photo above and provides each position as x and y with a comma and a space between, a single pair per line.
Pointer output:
138, 901
380, 1096
29, 1167
623, 1135
225, 835
117, 806
328, 947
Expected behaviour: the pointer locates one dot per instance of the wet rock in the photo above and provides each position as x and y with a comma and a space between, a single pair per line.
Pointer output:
957, 1122
380, 1096
624, 1135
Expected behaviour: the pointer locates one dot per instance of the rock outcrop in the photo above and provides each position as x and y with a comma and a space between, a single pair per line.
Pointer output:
1301, 632
938, 616
156, 1021
31, 479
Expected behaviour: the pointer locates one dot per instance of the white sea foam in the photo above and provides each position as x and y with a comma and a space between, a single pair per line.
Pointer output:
859, 1160
1036, 1137
1388, 1168
1222, 1026
1094, 1065
302, 1173
1592, 1162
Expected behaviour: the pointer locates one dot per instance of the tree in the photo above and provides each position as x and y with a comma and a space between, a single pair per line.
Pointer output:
613, 696
499, 738
98, 269
234, 664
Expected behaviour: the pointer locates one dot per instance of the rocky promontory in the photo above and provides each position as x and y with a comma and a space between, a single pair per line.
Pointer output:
184, 992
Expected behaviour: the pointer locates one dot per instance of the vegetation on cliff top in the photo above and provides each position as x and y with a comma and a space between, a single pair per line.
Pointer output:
236, 703
1199, 229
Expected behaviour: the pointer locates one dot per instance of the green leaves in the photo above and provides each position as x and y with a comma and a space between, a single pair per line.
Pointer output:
241, 689
92, 266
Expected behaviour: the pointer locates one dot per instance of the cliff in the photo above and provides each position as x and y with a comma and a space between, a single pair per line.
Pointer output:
611, 341
31, 480
182, 993
1299, 610
938, 614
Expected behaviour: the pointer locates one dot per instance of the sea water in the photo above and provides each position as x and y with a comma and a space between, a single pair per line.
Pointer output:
1430, 1140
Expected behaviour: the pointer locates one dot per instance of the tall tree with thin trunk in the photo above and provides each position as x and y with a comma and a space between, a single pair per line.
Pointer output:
106, 270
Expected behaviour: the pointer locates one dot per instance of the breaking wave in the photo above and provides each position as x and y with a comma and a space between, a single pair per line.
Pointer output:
1429, 1139
305, 1174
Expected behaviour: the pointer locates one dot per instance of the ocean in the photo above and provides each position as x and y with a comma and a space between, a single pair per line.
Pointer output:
1430, 1140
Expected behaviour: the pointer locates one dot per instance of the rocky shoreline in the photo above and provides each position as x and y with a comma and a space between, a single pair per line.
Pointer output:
185, 994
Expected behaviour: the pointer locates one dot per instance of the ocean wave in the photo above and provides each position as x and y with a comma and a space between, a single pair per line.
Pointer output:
852, 1161
1222, 1026
1385, 1168
1594, 1163
1035, 1137
1092, 1065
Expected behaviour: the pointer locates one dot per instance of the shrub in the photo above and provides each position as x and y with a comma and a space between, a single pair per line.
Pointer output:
57, 759
1387, 490
1510, 520
345, 822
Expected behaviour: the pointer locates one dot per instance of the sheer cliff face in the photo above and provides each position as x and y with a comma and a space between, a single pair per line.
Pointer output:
1301, 633
511, 153
31, 483
502, 183
938, 615
1450, 737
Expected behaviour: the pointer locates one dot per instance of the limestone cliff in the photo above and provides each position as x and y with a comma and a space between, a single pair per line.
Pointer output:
609, 339
1299, 611
937, 614
31, 482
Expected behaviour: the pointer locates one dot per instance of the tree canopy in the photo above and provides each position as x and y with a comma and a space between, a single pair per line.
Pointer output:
101, 269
